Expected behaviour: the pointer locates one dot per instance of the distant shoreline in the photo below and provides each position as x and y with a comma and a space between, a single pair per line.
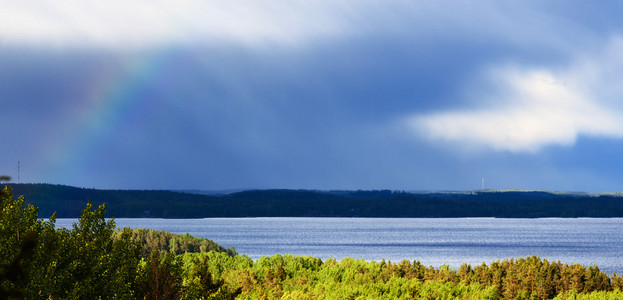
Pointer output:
68, 202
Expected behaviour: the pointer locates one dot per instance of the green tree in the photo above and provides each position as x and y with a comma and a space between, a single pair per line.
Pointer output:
86, 262
19, 232
160, 278
201, 283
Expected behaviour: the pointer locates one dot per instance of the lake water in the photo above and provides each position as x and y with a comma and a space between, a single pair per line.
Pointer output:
431, 241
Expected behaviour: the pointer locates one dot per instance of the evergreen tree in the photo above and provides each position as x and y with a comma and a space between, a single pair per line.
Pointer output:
160, 278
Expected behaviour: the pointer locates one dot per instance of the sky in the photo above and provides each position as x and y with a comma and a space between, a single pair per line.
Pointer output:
328, 94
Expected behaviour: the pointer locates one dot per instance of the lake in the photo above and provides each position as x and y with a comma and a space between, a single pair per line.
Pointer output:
433, 242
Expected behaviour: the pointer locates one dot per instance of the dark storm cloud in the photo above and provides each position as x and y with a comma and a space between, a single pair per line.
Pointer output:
319, 95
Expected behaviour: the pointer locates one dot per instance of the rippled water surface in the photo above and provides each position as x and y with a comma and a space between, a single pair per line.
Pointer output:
431, 241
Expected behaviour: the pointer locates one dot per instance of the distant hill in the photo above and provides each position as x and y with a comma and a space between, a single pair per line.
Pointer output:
69, 201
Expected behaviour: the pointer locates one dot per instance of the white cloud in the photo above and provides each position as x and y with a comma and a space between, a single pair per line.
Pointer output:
143, 23
535, 108
118, 23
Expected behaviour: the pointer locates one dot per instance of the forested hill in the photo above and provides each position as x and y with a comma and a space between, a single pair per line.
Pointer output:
68, 202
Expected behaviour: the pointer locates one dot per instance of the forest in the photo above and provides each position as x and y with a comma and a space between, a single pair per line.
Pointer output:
68, 201
94, 260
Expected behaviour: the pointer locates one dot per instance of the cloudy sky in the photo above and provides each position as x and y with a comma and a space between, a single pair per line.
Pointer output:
399, 94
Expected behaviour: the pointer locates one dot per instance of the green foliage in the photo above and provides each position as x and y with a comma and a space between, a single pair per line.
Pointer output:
19, 234
160, 278
290, 277
17, 221
600, 295
204, 276
163, 241
85, 262
92, 260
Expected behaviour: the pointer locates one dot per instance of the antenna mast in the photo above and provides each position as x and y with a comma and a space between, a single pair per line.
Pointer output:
18, 170
483, 185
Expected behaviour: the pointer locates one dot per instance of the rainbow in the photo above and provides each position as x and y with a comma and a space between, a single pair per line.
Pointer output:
113, 102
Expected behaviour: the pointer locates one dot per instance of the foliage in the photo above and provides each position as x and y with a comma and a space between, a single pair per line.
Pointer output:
19, 231
160, 278
600, 295
152, 240
92, 260
85, 262
295, 277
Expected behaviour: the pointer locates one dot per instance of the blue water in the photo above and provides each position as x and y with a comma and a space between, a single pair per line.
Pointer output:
588, 241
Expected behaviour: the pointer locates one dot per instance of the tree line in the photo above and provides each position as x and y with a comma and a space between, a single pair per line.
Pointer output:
94, 260
67, 202
150, 240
